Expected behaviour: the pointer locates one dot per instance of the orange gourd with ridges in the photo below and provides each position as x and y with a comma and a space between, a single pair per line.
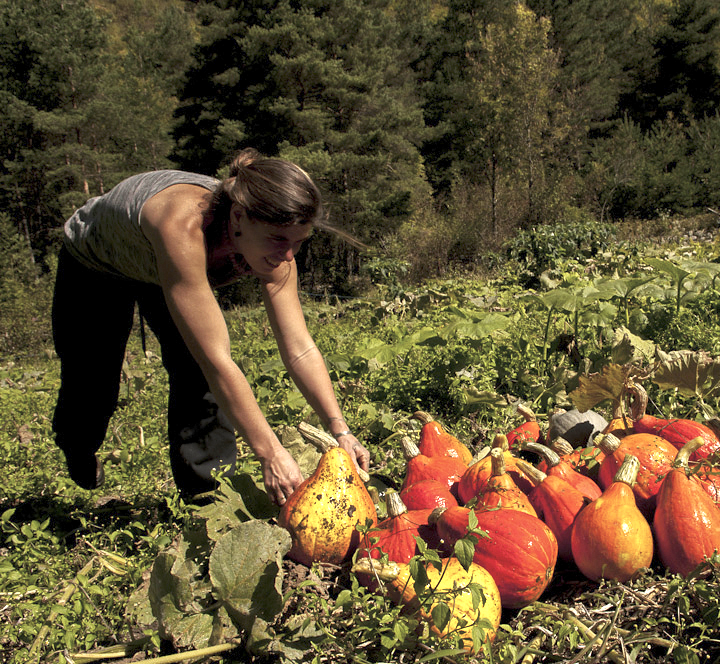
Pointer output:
436, 442
395, 535
655, 456
527, 432
584, 460
676, 431
555, 466
611, 539
448, 470
557, 503
520, 551
428, 494
687, 521
476, 476
500, 491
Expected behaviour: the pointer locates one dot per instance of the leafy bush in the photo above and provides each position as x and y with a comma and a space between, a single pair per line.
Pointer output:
539, 249
25, 295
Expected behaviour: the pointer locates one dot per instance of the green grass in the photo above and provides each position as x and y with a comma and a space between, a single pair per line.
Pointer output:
70, 560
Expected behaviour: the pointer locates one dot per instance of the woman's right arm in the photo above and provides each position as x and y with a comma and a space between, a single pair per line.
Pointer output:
173, 224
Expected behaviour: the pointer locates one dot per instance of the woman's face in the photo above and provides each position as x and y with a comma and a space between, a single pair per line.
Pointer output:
266, 247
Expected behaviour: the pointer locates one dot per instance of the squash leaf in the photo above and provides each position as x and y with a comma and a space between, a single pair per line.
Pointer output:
598, 387
180, 618
695, 374
236, 500
628, 347
245, 571
306, 455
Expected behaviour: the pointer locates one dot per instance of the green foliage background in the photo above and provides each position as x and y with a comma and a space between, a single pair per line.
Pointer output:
437, 130
464, 350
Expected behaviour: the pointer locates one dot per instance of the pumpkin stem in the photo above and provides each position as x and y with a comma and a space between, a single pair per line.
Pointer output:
435, 515
324, 442
395, 505
423, 417
682, 458
497, 462
410, 449
628, 470
550, 456
561, 446
374, 494
639, 403
526, 413
501, 441
607, 443
535, 475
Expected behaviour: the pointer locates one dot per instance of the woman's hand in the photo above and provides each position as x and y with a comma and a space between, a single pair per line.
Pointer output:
281, 475
357, 452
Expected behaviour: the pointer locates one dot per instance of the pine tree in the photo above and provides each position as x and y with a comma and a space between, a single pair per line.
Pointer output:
324, 84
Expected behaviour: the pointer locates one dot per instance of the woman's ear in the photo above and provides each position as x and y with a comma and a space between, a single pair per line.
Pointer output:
236, 215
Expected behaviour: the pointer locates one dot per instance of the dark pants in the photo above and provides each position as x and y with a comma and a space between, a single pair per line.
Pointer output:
92, 318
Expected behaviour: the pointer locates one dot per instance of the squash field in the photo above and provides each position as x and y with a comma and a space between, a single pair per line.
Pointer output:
533, 504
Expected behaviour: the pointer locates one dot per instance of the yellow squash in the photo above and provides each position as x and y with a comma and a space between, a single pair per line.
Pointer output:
322, 513
450, 586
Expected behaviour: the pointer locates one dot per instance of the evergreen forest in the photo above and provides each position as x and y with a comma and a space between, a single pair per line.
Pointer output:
437, 129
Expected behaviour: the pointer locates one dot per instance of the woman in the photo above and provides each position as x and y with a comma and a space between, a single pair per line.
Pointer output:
165, 239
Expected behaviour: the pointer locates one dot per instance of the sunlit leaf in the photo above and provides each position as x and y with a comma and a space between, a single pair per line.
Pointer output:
628, 347
245, 568
692, 373
598, 387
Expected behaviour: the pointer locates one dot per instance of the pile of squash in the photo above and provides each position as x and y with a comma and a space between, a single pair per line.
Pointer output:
608, 497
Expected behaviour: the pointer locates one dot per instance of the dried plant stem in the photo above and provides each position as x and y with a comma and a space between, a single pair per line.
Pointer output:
533, 649
117, 651
192, 654
590, 638
65, 597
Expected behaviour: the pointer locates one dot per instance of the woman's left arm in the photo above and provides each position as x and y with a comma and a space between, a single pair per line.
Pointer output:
303, 359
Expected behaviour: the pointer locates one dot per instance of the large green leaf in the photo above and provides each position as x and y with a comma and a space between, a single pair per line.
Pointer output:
598, 387
695, 374
473, 327
245, 571
628, 347
180, 619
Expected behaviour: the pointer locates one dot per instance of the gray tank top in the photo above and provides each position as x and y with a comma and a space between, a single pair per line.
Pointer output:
105, 234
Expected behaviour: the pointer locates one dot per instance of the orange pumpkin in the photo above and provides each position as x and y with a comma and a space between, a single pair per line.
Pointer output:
527, 432
500, 491
435, 441
395, 535
655, 456
427, 494
687, 521
676, 431
445, 469
556, 466
519, 551
476, 476
557, 503
611, 539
